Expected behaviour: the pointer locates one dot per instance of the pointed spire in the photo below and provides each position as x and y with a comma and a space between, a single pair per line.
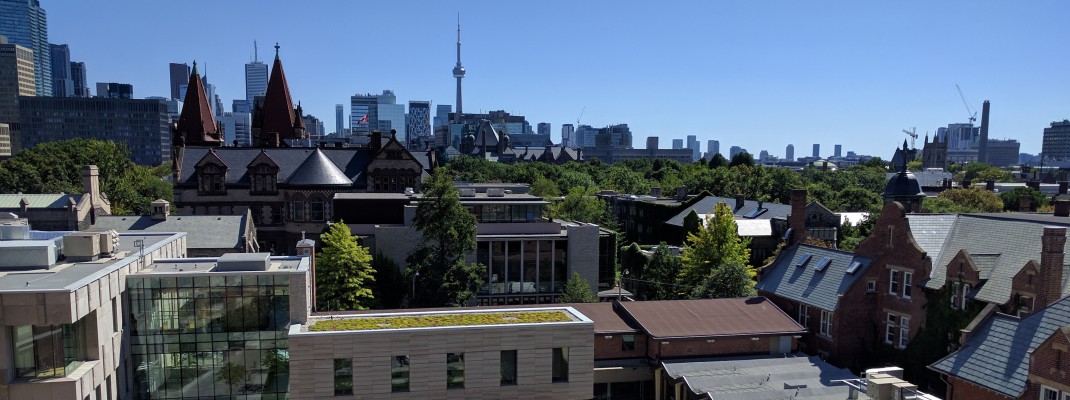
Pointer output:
194, 72
277, 110
276, 51
196, 124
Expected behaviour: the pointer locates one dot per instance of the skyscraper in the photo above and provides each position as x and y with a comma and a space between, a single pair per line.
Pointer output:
15, 62
1056, 141
363, 113
837, 149
442, 115
113, 90
817, 150
544, 128
81, 86
712, 147
25, 24
696, 148
62, 84
568, 135
789, 153
391, 115
458, 71
237, 126
677, 144
256, 77
419, 124
179, 77
339, 118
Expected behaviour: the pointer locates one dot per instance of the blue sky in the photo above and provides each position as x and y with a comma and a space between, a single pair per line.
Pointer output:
759, 75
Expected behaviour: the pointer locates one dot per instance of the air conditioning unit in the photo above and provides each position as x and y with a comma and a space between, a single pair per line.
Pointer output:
109, 242
468, 193
81, 246
495, 192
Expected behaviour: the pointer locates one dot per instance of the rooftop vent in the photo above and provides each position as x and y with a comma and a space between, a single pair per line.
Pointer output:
234, 262
468, 193
495, 192
409, 191
81, 246
854, 267
803, 261
824, 263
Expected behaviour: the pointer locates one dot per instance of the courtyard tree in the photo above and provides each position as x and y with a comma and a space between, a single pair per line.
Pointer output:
716, 244
344, 273
577, 290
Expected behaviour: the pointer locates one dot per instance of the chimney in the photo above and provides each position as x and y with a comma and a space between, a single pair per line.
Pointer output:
161, 209
91, 184
655, 192
1062, 208
1063, 186
966, 183
739, 202
681, 193
990, 185
1025, 203
307, 248
797, 219
376, 140
1051, 265
1035, 185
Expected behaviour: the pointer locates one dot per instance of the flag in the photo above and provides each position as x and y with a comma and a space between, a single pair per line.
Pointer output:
363, 119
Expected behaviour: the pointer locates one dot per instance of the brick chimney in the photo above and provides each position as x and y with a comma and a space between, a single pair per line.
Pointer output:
91, 183
1062, 208
376, 140
739, 202
307, 248
1025, 203
990, 185
1051, 265
681, 193
1062, 187
797, 219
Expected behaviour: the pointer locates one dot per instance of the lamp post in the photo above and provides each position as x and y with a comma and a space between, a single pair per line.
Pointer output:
414, 276
620, 282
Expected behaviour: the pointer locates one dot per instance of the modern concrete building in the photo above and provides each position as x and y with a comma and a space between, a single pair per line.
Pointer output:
143, 125
339, 118
544, 128
62, 84
677, 144
16, 79
1056, 144
568, 135
24, 23
418, 126
837, 149
179, 73
237, 127
81, 85
817, 150
693, 144
113, 90
789, 152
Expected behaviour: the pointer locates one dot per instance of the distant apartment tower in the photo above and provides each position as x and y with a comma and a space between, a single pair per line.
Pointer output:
568, 136
789, 152
713, 147
391, 116
237, 126
442, 115
113, 90
16, 79
696, 149
179, 73
419, 124
256, 80
732, 151
62, 84
25, 24
1056, 144
652, 143
313, 127
614, 137
339, 118
81, 85
142, 125
585, 136
677, 144
762, 156
544, 128
817, 150
363, 113
836, 150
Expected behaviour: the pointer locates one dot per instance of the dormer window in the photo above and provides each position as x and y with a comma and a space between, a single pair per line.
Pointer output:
212, 179
264, 179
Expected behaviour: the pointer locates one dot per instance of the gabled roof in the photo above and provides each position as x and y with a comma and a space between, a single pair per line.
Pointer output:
930, 231
351, 161
996, 354
1000, 244
705, 206
710, 317
278, 110
60, 200
318, 170
821, 289
486, 135
202, 231
606, 320
196, 123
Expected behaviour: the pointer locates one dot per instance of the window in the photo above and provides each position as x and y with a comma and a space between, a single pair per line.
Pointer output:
826, 323
907, 278
627, 342
854, 267
343, 376
45, 351
821, 265
802, 261
1047, 393
889, 330
893, 282
316, 210
955, 295
399, 374
115, 316
508, 367
871, 286
298, 210
560, 366
904, 332
966, 292
455, 371
804, 315
1025, 305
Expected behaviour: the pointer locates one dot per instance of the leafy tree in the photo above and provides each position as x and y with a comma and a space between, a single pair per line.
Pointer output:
580, 204
855, 199
973, 199
914, 166
577, 290
727, 280
390, 284
742, 158
633, 260
875, 162
1010, 198
448, 234
659, 276
717, 243
545, 188
344, 272
978, 172
718, 161
692, 223
276, 361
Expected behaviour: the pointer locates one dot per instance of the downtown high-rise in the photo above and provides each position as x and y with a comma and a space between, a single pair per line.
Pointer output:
81, 85
419, 124
256, 79
62, 83
25, 24
179, 74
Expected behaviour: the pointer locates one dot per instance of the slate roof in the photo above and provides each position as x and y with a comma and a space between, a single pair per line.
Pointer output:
804, 284
930, 231
710, 317
705, 206
38, 200
317, 169
996, 355
352, 161
202, 231
196, 123
1000, 244
760, 378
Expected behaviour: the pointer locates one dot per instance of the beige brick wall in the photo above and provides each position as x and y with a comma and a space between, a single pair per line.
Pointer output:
312, 361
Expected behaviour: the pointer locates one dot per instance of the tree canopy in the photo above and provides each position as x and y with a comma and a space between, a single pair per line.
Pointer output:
577, 290
714, 245
344, 272
967, 200
659, 275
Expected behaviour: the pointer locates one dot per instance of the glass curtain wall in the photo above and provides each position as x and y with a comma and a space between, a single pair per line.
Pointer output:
523, 271
49, 351
210, 336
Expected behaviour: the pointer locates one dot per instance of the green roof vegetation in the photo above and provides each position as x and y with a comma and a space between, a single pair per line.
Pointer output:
432, 320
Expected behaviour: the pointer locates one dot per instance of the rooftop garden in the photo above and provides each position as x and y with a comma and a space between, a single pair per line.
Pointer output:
433, 320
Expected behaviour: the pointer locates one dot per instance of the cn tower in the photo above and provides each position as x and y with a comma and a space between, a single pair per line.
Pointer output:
458, 72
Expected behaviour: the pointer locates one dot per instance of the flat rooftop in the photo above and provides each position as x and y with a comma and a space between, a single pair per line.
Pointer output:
477, 197
202, 265
760, 378
64, 276
451, 318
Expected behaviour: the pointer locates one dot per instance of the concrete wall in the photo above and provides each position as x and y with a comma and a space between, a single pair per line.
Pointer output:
583, 253
312, 355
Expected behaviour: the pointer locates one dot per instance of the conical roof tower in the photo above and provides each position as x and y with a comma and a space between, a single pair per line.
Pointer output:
277, 113
196, 124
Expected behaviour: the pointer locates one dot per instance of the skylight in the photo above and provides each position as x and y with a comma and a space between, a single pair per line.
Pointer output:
756, 212
802, 261
823, 264
854, 267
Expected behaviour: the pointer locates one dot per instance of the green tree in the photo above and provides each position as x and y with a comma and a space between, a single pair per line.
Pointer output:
914, 166
544, 188
855, 198
1010, 198
717, 243
276, 361
577, 290
718, 161
448, 233
344, 273
659, 276
742, 158
580, 204
875, 162
390, 285
692, 223
727, 280
976, 199
633, 260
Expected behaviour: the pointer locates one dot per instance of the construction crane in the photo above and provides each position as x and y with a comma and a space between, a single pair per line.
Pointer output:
580, 117
971, 112
913, 136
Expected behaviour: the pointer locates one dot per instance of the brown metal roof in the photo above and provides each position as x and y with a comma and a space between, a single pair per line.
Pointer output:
711, 317
605, 319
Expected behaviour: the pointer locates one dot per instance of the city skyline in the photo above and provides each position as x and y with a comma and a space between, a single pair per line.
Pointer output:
850, 74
